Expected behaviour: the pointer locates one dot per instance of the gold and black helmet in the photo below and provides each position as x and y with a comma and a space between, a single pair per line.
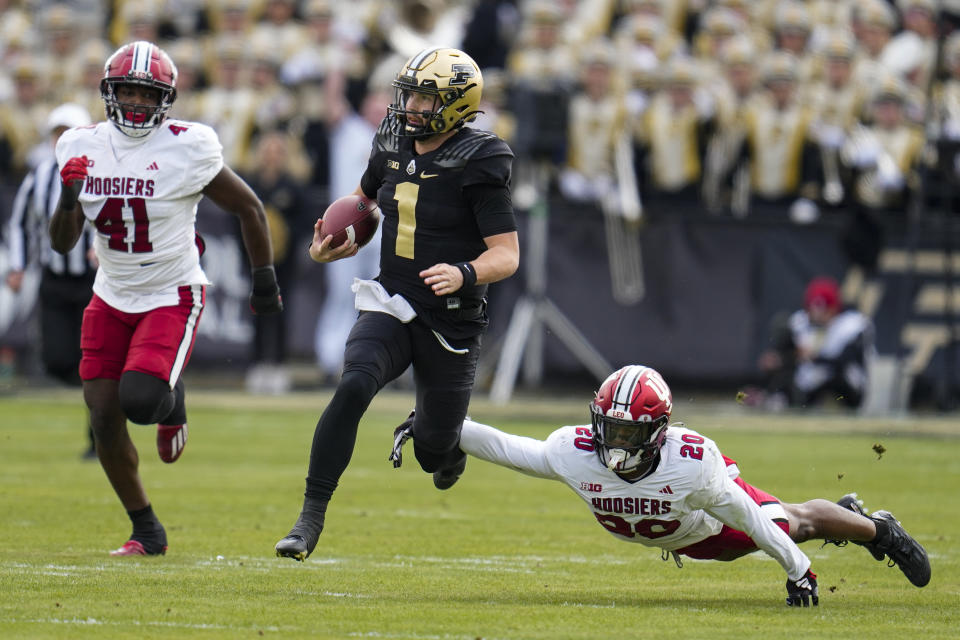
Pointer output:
454, 81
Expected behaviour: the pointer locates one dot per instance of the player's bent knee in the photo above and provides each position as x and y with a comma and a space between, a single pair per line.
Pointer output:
356, 388
145, 399
434, 454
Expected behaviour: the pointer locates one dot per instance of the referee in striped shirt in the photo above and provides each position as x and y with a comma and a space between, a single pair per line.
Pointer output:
66, 282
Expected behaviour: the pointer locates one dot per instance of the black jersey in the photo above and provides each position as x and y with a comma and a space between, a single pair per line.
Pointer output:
427, 219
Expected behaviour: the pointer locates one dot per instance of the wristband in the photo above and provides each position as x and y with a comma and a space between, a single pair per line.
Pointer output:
469, 274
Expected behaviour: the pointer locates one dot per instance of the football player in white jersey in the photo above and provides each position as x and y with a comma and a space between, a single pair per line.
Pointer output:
666, 486
137, 178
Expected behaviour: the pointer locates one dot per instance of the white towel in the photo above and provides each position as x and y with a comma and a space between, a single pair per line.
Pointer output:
371, 296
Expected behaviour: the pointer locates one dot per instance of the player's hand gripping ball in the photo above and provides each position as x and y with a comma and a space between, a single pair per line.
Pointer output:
351, 217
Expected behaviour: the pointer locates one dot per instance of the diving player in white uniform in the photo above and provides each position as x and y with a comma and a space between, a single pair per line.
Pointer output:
666, 486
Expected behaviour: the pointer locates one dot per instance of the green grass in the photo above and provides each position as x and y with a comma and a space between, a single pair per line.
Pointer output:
500, 555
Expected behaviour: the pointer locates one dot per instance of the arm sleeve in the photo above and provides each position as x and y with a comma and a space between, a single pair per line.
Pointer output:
733, 507
519, 453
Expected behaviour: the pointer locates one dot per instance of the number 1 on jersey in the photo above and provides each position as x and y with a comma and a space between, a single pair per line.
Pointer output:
110, 223
406, 195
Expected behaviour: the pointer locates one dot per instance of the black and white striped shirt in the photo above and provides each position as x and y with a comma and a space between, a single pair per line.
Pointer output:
28, 240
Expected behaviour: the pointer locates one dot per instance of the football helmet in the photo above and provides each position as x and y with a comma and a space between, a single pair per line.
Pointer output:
629, 415
145, 64
450, 79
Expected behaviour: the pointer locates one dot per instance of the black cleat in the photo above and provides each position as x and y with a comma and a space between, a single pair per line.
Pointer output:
446, 478
903, 550
400, 436
301, 540
855, 504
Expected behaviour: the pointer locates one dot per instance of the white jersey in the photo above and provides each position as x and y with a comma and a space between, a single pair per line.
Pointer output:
688, 498
141, 195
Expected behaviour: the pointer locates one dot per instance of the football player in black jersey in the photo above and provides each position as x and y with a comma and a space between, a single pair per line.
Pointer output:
448, 231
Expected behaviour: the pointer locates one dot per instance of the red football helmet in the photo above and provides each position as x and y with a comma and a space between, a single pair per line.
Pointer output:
145, 64
630, 414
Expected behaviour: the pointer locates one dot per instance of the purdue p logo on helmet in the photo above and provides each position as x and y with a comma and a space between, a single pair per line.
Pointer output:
453, 82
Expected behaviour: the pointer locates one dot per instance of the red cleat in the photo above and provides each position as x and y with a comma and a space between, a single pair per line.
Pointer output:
170, 441
134, 548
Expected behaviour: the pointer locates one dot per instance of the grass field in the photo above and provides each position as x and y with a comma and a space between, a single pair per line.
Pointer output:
500, 555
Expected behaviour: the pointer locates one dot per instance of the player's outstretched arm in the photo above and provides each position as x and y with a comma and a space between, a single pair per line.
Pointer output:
526, 455
733, 507
232, 194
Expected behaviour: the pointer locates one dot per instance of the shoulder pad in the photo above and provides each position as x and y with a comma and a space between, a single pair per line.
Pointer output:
474, 145
386, 140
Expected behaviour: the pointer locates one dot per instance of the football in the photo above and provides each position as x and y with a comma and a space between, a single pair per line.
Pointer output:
353, 217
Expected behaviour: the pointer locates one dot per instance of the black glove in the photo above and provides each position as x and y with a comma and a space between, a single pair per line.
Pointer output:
265, 298
803, 591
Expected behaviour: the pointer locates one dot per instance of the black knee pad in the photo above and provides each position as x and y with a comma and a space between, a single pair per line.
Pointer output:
145, 399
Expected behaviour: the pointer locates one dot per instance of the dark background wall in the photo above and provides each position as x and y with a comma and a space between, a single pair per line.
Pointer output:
711, 287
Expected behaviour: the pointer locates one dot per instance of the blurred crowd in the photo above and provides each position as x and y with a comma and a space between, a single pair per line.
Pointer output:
784, 110
736, 107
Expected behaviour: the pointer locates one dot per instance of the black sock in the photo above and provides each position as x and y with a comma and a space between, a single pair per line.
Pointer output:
144, 521
147, 530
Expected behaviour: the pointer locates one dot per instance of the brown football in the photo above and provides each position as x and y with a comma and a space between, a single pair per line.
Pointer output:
353, 217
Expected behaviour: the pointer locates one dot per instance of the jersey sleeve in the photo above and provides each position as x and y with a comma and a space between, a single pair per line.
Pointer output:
384, 141
736, 509
527, 455
722, 498
491, 164
67, 146
203, 157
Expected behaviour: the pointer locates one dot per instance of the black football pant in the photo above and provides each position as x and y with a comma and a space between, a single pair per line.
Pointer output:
379, 349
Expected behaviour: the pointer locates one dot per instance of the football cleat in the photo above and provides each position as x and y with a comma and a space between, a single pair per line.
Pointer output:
400, 436
853, 503
136, 548
302, 539
902, 550
446, 478
171, 440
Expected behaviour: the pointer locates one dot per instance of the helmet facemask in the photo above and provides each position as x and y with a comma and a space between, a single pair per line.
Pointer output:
627, 446
135, 120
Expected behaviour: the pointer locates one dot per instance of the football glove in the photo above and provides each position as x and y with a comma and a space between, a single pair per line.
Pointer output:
265, 298
72, 175
74, 170
803, 591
